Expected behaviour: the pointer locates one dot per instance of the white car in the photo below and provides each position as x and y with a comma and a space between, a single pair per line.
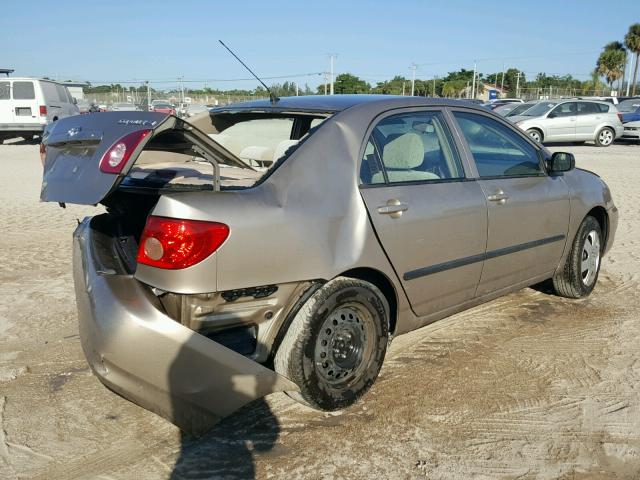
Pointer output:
575, 121
27, 105
631, 131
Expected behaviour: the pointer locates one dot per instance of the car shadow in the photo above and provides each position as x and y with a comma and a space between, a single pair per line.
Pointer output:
226, 449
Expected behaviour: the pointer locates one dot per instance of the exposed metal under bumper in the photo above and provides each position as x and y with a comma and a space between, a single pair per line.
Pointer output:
141, 353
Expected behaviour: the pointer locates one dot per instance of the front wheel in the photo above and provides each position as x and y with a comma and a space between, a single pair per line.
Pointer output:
580, 272
334, 348
535, 135
605, 137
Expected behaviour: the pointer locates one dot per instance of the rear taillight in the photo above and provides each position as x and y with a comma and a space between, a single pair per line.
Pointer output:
174, 243
119, 153
620, 116
43, 110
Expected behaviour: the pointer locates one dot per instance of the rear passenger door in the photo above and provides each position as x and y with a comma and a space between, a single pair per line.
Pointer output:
528, 210
431, 219
588, 117
6, 105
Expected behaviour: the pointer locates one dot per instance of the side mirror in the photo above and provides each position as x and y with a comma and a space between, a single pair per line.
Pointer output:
561, 162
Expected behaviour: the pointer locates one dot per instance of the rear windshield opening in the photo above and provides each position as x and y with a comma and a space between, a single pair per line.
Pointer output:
260, 140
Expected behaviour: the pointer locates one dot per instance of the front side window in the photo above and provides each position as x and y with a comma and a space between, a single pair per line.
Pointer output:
23, 91
4, 90
410, 147
497, 150
563, 110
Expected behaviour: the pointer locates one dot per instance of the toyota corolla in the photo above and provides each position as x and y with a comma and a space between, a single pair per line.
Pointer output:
280, 245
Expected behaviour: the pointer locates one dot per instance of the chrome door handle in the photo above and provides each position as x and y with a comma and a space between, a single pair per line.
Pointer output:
394, 208
499, 197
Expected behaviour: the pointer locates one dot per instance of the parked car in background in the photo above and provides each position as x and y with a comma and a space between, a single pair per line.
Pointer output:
521, 108
631, 130
163, 107
429, 207
493, 104
124, 107
506, 108
85, 106
194, 109
630, 110
27, 105
575, 121
538, 109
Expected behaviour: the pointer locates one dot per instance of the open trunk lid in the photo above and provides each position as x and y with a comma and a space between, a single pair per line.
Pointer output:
76, 145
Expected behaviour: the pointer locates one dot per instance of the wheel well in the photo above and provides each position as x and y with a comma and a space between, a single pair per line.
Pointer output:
600, 214
383, 283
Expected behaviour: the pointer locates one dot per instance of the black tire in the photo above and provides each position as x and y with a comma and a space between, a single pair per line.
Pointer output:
605, 137
570, 280
535, 135
310, 352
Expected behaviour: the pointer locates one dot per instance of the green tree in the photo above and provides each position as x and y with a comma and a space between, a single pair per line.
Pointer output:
348, 83
611, 61
632, 42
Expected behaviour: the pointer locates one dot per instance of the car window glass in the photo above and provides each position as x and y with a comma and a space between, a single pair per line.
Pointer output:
588, 108
564, 110
602, 108
23, 91
4, 90
629, 106
62, 95
412, 147
497, 150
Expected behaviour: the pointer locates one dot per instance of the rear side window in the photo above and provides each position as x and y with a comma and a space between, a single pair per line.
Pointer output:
62, 94
563, 110
588, 108
4, 90
23, 91
602, 107
411, 147
497, 150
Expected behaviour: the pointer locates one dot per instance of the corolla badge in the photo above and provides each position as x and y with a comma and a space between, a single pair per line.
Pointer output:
72, 132
143, 123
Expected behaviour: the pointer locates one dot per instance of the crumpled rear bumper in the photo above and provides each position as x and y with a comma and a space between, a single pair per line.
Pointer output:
144, 355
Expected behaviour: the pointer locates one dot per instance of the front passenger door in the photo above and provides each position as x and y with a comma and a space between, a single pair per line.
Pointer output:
561, 122
528, 210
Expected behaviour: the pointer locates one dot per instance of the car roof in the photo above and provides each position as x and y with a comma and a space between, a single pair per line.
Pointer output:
337, 103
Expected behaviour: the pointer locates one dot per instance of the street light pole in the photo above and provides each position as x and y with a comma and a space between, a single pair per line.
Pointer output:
332, 58
413, 78
148, 96
473, 85
518, 85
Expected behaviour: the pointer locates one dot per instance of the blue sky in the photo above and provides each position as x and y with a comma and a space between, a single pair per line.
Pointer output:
127, 40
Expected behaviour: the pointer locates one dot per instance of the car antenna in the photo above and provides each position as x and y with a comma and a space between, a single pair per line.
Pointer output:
272, 96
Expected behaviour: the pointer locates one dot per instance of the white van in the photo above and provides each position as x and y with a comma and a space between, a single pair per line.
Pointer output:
28, 104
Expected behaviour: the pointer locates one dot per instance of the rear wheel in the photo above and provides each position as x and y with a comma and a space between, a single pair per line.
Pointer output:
605, 137
579, 275
334, 348
535, 134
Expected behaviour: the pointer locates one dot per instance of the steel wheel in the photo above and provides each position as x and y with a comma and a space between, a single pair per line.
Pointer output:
590, 258
535, 135
347, 337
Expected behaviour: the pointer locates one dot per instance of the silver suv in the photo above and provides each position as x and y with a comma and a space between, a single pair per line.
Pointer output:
576, 121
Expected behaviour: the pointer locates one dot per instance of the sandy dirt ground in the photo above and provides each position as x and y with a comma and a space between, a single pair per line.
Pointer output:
528, 386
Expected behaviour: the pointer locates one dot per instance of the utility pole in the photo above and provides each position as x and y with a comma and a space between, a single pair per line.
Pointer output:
502, 81
413, 78
332, 57
148, 96
325, 82
628, 63
434, 86
518, 85
403, 84
473, 85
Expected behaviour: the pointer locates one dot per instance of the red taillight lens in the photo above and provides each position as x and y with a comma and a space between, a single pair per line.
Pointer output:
173, 243
620, 116
43, 153
117, 156
43, 110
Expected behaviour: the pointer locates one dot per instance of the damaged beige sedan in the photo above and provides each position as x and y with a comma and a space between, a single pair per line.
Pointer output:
279, 246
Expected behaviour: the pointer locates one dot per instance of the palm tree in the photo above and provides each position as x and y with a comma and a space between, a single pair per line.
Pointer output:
611, 62
632, 42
